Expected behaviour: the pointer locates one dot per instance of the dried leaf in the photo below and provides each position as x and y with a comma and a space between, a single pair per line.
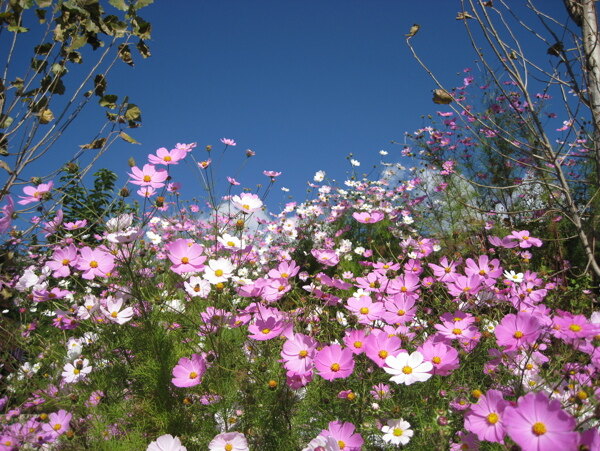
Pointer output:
128, 138
441, 97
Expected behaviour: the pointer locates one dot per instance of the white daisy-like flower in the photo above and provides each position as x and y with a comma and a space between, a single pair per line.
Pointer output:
354, 162
516, 277
319, 176
383, 152
166, 443
408, 368
397, 432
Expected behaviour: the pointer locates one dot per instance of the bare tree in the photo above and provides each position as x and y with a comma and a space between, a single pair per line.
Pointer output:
565, 167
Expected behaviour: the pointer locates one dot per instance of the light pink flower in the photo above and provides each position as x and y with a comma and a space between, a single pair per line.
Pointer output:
189, 372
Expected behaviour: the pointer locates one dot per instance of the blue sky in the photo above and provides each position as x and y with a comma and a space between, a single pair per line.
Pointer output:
303, 84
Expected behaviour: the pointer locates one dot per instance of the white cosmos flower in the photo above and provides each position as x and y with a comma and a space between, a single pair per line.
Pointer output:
397, 432
74, 372
321, 443
514, 276
319, 176
354, 162
217, 271
408, 368
166, 443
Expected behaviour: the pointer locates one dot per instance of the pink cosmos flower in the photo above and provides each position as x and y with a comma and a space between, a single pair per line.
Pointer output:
466, 285
58, 423
229, 441
445, 270
272, 174
233, 181
228, 142
247, 202
189, 372
343, 433
365, 309
298, 353
166, 157
517, 331
62, 261
525, 239
185, 255
355, 340
571, 327
506, 242
166, 443
94, 263
265, 328
489, 269
368, 218
114, 313
408, 283
379, 345
444, 358
334, 362
326, 257
7, 212
35, 193
539, 424
485, 419
148, 176
400, 309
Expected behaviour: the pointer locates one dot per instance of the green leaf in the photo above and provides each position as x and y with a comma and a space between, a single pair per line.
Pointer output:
41, 14
99, 84
125, 54
128, 138
43, 49
143, 49
119, 4
43, 3
5, 121
4, 165
141, 28
17, 29
142, 4
78, 41
133, 113
109, 101
58, 69
95, 144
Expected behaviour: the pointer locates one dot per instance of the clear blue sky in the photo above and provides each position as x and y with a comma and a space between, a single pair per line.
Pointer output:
302, 83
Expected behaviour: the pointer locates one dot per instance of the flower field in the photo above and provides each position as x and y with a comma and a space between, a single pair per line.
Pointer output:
338, 323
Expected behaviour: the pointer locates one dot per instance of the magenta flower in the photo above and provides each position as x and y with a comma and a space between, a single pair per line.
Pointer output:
298, 353
379, 345
334, 362
148, 176
489, 269
444, 358
94, 263
35, 193
62, 261
368, 218
326, 257
400, 309
185, 255
539, 424
228, 142
58, 423
465, 285
7, 212
265, 328
517, 331
485, 418
166, 157
525, 239
343, 433
189, 372
365, 309
355, 340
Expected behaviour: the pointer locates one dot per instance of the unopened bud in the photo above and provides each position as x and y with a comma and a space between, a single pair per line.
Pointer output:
131, 162
124, 192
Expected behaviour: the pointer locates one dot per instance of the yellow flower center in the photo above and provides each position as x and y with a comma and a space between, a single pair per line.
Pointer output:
303, 353
266, 331
482, 273
193, 375
398, 432
57, 427
404, 289
436, 360
93, 264
335, 367
167, 158
358, 344
539, 428
228, 447
76, 371
147, 178
518, 334
219, 272
466, 289
492, 418
401, 312
185, 260
246, 207
230, 244
364, 310
65, 261
457, 331
407, 370
341, 444
114, 314
575, 327
383, 353
351, 396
